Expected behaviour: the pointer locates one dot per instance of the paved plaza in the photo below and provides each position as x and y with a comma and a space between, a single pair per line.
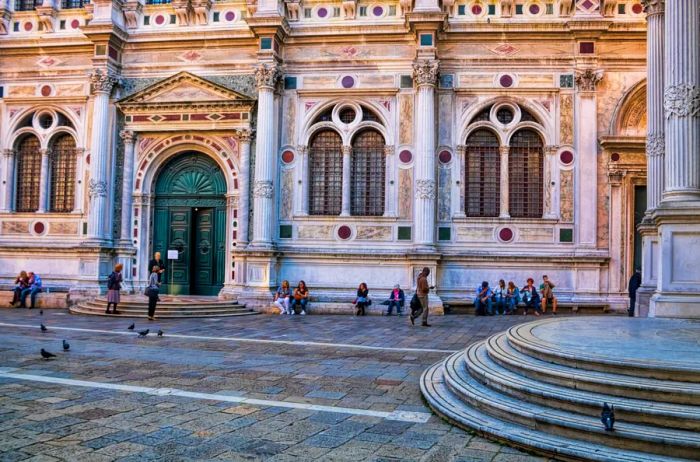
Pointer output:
278, 381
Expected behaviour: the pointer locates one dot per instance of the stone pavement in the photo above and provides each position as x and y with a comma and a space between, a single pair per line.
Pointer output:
281, 359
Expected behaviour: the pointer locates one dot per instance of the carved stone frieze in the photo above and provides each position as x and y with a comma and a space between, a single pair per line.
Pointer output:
682, 100
588, 79
244, 135
102, 82
656, 144
425, 189
263, 188
654, 6
97, 188
426, 72
266, 76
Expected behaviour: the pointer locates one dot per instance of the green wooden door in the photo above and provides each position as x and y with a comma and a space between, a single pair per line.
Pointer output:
190, 217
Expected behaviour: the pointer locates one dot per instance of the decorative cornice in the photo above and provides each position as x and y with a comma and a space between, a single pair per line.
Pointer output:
425, 189
654, 6
127, 136
244, 135
426, 72
682, 100
97, 188
263, 188
102, 82
588, 79
267, 76
656, 145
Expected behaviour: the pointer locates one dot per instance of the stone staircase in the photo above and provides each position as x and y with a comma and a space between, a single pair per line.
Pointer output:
518, 389
186, 306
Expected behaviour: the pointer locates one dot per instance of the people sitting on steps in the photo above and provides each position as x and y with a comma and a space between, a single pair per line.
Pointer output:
396, 300
512, 298
483, 301
362, 300
301, 298
547, 293
21, 283
530, 297
33, 288
282, 298
499, 298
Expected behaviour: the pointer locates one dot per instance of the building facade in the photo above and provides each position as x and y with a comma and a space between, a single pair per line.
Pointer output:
330, 141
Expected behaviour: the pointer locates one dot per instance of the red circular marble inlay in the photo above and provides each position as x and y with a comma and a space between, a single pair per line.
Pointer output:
506, 234
46, 90
287, 157
445, 157
506, 81
566, 157
344, 232
405, 156
378, 11
160, 19
614, 157
347, 82
534, 9
39, 227
637, 8
322, 12
476, 10
75, 24
28, 26
230, 16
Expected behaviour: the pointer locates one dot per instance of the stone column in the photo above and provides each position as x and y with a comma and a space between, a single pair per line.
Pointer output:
44, 181
460, 206
586, 144
244, 136
8, 157
345, 202
101, 84
303, 179
266, 76
129, 139
505, 182
390, 190
425, 74
549, 173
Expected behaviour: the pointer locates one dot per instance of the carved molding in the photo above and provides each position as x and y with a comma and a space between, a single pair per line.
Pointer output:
293, 8
97, 188
251, 6
566, 8
303, 149
47, 17
244, 135
182, 11
682, 101
349, 8
5, 16
587, 80
425, 189
132, 12
200, 11
656, 145
608, 8
127, 136
506, 8
426, 72
263, 188
406, 6
267, 76
461, 149
448, 7
654, 6
102, 82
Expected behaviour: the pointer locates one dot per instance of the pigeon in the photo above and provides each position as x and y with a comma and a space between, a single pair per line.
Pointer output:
608, 417
143, 333
46, 355
160, 333
43, 328
66, 346
41, 312
131, 327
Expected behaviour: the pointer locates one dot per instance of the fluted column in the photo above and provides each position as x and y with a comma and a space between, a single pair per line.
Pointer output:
8, 157
586, 142
244, 136
345, 201
682, 101
425, 74
266, 76
505, 181
129, 139
101, 84
44, 181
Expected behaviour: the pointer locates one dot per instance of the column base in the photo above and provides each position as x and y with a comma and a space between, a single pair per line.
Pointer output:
664, 305
644, 294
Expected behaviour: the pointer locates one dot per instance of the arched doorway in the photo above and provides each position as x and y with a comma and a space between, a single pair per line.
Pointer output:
190, 217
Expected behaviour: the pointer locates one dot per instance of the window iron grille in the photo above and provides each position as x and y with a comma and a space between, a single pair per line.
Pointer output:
72, 4
526, 175
367, 174
157, 2
347, 115
483, 115
325, 174
27, 5
482, 175
63, 166
369, 116
28, 175
325, 116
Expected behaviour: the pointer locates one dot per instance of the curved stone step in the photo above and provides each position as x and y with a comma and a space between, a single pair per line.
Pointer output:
446, 404
521, 337
502, 352
642, 438
483, 368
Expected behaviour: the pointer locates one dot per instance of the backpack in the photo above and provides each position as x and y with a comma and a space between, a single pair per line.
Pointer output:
112, 281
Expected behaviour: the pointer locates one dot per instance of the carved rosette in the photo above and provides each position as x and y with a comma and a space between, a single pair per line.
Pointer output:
263, 188
244, 135
102, 82
588, 79
655, 144
425, 189
97, 188
682, 101
266, 76
426, 72
654, 6
127, 136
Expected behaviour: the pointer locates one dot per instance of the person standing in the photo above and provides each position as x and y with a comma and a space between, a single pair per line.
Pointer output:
21, 283
422, 290
152, 291
114, 285
157, 261
635, 282
362, 299
282, 297
33, 288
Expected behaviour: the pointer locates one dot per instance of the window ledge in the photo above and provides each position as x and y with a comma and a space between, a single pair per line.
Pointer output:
503, 221
338, 219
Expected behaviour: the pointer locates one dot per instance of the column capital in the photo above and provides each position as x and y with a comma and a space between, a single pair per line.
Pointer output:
654, 6
461, 149
244, 135
266, 76
588, 79
425, 189
347, 150
97, 188
389, 150
8, 152
656, 144
45, 152
263, 188
127, 136
550, 150
503, 150
425, 72
302, 149
682, 100
102, 82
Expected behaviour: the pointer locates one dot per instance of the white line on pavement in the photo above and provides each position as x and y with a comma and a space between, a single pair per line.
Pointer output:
403, 416
246, 340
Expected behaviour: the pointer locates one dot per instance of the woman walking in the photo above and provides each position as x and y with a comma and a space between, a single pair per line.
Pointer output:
152, 291
114, 285
362, 299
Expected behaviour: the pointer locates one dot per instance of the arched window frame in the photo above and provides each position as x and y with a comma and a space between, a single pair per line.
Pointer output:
368, 175
62, 173
325, 181
27, 170
482, 194
526, 194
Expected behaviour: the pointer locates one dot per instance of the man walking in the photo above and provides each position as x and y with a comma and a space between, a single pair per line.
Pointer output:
635, 282
422, 289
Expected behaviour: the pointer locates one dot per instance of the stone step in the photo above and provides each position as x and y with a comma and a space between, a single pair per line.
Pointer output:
449, 406
43, 300
136, 313
491, 374
676, 369
501, 351
642, 438
347, 309
163, 307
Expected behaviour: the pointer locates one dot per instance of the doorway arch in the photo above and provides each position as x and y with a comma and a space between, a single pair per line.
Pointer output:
190, 217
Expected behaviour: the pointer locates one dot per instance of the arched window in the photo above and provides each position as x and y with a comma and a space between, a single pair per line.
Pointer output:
482, 177
28, 174
525, 167
63, 163
325, 174
367, 174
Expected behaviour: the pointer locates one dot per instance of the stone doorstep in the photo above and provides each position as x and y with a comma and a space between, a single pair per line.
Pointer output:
348, 309
43, 300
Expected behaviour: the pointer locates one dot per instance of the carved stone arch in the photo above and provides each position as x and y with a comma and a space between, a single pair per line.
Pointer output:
630, 115
15, 138
500, 135
317, 127
546, 140
363, 126
20, 115
308, 125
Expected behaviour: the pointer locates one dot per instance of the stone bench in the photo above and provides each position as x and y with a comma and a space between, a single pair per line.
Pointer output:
575, 306
54, 298
348, 308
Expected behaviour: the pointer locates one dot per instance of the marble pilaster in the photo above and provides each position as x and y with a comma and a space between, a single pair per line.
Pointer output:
8, 158
244, 137
44, 181
129, 139
303, 179
505, 179
390, 197
345, 202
